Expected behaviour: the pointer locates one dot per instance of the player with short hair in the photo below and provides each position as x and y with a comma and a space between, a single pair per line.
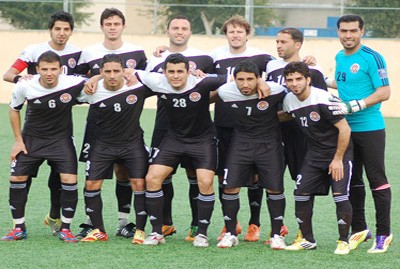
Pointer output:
363, 84
47, 135
61, 26
112, 23
327, 162
178, 32
119, 139
256, 145
288, 44
237, 31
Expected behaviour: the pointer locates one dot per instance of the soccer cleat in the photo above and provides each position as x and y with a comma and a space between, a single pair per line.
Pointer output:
223, 231
200, 241
253, 233
302, 245
168, 230
86, 229
299, 236
228, 241
95, 235
14, 235
154, 239
343, 248
126, 231
66, 236
53, 223
191, 234
284, 231
359, 237
277, 242
381, 244
139, 237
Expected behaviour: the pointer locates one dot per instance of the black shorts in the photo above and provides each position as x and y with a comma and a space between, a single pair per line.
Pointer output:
88, 140
132, 156
244, 158
369, 153
202, 155
295, 143
224, 136
60, 153
314, 179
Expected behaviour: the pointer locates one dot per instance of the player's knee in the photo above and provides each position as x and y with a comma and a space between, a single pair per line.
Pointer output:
138, 184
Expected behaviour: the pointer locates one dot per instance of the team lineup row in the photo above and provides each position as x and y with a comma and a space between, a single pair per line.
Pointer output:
247, 129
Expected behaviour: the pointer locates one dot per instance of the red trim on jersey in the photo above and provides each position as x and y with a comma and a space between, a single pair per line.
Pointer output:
20, 65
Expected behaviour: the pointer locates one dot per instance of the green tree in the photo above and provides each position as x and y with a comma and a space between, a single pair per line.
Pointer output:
378, 22
209, 20
35, 15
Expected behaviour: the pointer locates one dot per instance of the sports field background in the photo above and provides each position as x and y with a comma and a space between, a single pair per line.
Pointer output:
42, 250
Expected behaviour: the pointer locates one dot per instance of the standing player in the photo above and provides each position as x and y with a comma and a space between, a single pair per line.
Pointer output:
237, 31
119, 139
112, 23
363, 84
288, 45
178, 32
256, 143
328, 158
61, 26
47, 135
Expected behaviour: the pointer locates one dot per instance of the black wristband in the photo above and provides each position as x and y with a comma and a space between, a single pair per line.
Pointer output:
16, 78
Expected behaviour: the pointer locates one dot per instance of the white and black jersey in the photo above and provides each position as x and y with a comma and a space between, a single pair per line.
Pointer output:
48, 113
117, 112
316, 121
224, 63
69, 57
197, 60
254, 119
274, 72
133, 56
187, 109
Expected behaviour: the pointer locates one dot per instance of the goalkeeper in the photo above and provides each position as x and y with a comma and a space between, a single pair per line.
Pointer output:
362, 81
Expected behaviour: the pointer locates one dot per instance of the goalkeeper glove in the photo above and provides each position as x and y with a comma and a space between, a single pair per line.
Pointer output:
339, 107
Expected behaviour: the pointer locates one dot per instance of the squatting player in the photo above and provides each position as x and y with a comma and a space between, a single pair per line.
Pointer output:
47, 135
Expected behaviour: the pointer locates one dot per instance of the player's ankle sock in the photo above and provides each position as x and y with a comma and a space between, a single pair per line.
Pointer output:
94, 208
168, 190
205, 204
69, 200
255, 195
231, 204
123, 192
154, 206
304, 212
343, 215
193, 194
139, 203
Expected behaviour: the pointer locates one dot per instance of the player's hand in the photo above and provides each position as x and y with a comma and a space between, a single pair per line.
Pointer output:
159, 50
336, 170
129, 76
339, 107
263, 89
18, 147
198, 73
90, 86
309, 60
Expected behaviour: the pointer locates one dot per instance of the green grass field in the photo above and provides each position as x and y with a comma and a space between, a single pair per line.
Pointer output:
42, 250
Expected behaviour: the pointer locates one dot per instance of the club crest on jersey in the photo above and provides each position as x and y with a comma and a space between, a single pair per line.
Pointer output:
71, 62
192, 66
382, 73
262, 105
131, 99
65, 98
354, 68
314, 116
131, 63
194, 96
